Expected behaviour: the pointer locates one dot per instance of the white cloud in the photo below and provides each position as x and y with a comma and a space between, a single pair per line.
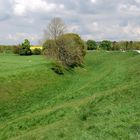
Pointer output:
21, 7
132, 30
138, 1
93, 1
129, 8
21, 36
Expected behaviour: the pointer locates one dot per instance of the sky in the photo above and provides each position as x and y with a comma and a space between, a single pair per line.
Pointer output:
92, 19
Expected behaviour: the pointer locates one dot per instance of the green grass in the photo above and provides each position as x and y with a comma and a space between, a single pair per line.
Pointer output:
100, 101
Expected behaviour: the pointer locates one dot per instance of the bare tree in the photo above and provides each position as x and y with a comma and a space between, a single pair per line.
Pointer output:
55, 28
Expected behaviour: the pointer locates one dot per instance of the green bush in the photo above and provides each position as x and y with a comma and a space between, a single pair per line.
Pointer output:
91, 45
69, 49
58, 68
25, 48
37, 51
25, 52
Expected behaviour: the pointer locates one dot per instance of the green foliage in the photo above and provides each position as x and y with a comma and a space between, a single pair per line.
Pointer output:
68, 49
91, 45
105, 45
25, 48
123, 45
50, 49
100, 101
6, 49
136, 45
37, 51
49, 44
16, 49
58, 68
115, 46
71, 50
126, 45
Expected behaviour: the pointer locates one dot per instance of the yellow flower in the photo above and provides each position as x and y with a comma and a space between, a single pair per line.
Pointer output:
34, 47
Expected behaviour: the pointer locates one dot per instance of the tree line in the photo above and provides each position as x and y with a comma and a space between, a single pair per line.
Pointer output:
112, 45
89, 45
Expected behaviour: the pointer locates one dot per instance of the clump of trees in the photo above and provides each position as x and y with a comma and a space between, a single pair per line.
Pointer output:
105, 45
67, 49
109, 45
91, 45
126, 45
24, 49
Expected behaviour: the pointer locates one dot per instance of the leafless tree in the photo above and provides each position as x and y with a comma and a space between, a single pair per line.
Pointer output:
55, 28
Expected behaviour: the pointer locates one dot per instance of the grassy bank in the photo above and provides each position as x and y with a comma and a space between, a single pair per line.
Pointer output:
99, 101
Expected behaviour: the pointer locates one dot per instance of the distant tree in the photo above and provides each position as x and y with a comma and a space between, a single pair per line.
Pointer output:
136, 45
105, 45
115, 46
91, 45
126, 45
25, 48
130, 45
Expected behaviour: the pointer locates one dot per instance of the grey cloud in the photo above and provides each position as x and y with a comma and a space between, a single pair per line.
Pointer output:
4, 17
5, 10
103, 19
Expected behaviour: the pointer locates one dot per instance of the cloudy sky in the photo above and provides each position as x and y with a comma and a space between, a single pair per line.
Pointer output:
92, 19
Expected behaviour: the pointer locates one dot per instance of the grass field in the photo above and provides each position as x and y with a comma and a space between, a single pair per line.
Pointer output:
100, 101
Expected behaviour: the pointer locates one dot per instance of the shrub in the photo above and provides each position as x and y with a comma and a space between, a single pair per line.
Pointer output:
91, 45
71, 50
58, 68
25, 48
37, 51
68, 49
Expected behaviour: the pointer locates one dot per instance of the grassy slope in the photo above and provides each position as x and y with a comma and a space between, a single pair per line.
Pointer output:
99, 101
